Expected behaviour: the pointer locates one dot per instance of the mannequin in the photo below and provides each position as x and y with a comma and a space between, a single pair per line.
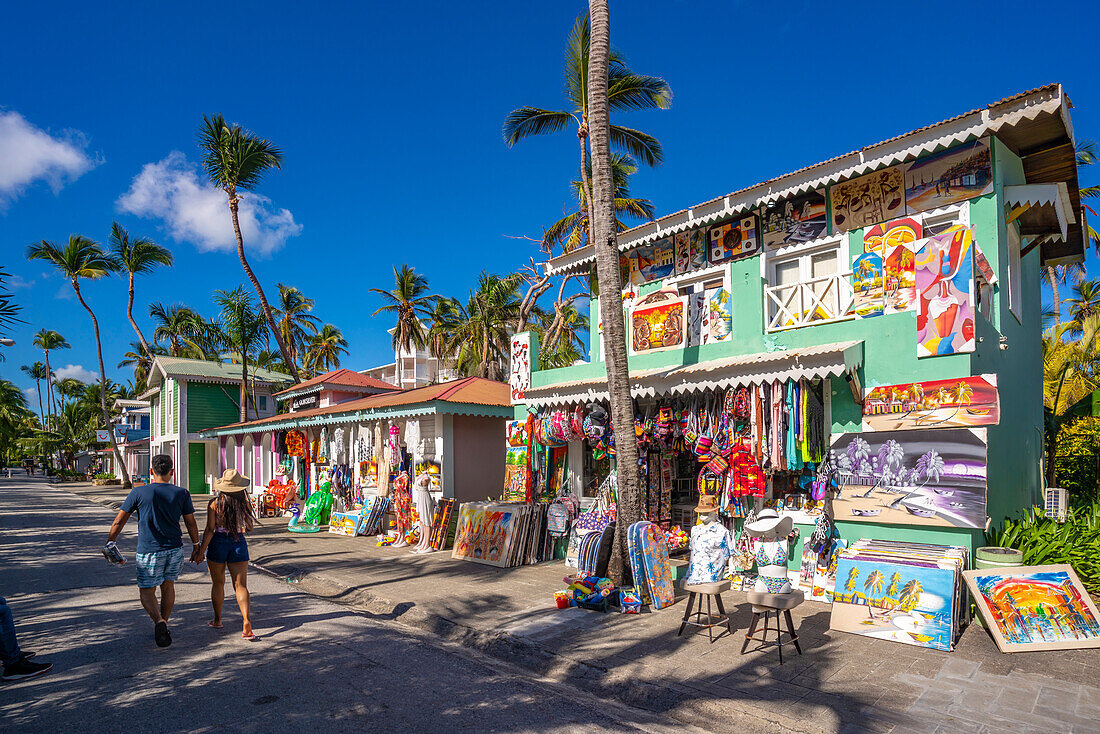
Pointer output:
425, 508
711, 545
769, 533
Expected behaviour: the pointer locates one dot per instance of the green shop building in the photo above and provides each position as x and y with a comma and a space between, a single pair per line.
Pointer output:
897, 286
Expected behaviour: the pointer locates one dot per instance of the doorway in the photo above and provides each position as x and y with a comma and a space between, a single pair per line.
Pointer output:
196, 469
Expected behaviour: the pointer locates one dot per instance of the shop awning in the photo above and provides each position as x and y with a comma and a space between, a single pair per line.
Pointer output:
823, 360
1041, 208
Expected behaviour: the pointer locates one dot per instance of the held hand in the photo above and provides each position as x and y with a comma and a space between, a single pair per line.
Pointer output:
197, 555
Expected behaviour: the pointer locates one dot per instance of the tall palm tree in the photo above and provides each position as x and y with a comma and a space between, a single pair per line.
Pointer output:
324, 349
83, 258
136, 255
181, 327
49, 341
1069, 375
70, 388
236, 160
296, 322
609, 281
486, 323
141, 362
571, 231
243, 331
1084, 304
443, 320
14, 413
627, 91
1052, 275
269, 359
409, 302
37, 372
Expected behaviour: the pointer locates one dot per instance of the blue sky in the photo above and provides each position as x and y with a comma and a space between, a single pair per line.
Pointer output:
390, 114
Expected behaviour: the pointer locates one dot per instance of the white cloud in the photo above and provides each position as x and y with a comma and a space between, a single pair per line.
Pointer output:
29, 154
75, 370
18, 282
194, 211
31, 393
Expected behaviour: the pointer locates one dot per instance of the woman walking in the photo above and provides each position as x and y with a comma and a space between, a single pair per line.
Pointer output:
228, 517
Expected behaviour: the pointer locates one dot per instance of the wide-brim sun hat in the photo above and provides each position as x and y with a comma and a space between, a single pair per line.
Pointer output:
768, 522
707, 504
231, 481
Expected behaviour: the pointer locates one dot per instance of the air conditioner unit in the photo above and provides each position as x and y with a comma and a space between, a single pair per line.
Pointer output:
1054, 502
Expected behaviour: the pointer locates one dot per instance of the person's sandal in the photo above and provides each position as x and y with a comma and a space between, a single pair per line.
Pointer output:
161, 634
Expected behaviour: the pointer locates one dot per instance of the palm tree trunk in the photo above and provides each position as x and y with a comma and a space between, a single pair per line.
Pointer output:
607, 273
244, 389
49, 389
125, 475
38, 390
586, 184
130, 315
233, 205
1057, 302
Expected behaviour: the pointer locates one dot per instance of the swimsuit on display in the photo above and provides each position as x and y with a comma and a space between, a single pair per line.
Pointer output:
763, 559
774, 584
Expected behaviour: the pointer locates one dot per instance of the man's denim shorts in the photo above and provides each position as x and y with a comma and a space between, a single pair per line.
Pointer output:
153, 569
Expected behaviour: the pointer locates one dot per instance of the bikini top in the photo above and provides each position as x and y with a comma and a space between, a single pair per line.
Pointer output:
779, 559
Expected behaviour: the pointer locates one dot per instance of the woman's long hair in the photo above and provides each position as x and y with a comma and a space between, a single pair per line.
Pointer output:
232, 511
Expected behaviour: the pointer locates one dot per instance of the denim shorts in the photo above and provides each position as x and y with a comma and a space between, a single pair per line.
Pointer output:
225, 549
153, 569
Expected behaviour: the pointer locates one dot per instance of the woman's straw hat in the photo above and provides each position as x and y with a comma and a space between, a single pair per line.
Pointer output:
231, 481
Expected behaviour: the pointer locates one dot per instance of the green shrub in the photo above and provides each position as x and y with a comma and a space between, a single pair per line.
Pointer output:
105, 475
1044, 540
1077, 463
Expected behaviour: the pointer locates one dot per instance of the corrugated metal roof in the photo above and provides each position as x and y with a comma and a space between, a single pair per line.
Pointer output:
471, 391
342, 377
205, 369
820, 360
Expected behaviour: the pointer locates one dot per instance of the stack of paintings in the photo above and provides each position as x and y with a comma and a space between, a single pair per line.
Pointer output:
502, 534
905, 592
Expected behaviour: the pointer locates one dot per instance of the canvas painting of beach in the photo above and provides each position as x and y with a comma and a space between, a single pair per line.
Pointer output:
793, 221
962, 402
920, 477
950, 176
912, 604
1035, 607
484, 533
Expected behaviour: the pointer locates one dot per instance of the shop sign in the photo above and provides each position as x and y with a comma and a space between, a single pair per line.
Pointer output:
304, 402
101, 436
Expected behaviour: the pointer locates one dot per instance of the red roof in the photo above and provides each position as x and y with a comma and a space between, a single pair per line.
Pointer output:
342, 377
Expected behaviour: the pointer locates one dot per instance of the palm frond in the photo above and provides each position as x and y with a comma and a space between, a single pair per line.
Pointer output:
627, 90
527, 122
642, 146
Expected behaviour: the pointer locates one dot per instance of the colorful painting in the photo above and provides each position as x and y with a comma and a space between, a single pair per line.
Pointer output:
637, 562
913, 604
867, 293
1035, 607
947, 177
628, 270
920, 477
343, 523
658, 572
520, 379
882, 238
691, 250
793, 221
868, 200
719, 317
899, 277
825, 574
945, 292
658, 325
732, 240
657, 260
698, 318
485, 533
958, 403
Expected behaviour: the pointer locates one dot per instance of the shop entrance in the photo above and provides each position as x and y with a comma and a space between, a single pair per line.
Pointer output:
196, 469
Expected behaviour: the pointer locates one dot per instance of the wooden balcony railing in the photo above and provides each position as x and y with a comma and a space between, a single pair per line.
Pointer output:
817, 301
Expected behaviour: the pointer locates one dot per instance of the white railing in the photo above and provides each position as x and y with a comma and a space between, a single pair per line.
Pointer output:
815, 301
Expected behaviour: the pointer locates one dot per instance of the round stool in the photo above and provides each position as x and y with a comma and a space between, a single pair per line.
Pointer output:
712, 590
767, 604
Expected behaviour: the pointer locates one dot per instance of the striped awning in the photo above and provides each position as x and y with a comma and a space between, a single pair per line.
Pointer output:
822, 360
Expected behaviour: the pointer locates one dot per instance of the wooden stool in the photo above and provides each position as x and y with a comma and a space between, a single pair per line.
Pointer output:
713, 620
768, 604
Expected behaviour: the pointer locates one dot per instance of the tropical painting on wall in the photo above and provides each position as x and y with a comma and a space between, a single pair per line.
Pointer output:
868, 200
484, 533
950, 176
917, 477
659, 324
719, 318
962, 402
793, 221
867, 292
895, 601
691, 250
732, 240
657, 260
1035, 607
945, 288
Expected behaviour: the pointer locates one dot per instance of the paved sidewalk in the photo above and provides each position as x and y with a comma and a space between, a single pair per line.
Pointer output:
842, 683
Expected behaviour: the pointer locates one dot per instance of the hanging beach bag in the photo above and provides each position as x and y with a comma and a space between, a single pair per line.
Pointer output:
557, 519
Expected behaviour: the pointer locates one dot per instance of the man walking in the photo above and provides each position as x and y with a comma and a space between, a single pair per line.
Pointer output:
159, 507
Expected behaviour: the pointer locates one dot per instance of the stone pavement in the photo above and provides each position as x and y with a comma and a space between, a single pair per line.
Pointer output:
843, 682
319, 666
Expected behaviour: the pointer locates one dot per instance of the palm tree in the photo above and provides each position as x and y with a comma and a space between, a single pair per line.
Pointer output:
570, 232
49, 341
561, 345
1084, 303
323, 351
296, 322
268, 359
910, 595
443, 321
625, 91
892, 590
14, 414
482, 338
181, 327
236, 160
70, 388
1053, 274
1087, 156
9, 309
850, 584
81, 258
409, 301
37, 372
1069, 375
872, 586
136, 255
242, 330
609, 282
141, 362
